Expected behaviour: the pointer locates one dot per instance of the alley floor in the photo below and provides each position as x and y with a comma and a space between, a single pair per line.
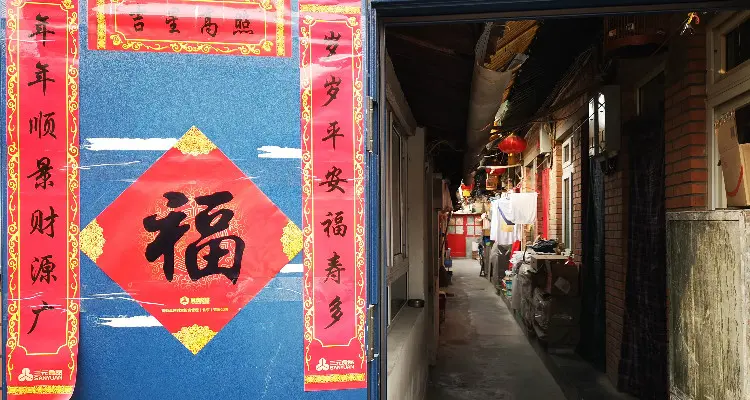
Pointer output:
483, 353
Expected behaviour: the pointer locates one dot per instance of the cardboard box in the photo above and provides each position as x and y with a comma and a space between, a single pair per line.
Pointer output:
554, 277
551, 312
527, 312
735, 158
559, 337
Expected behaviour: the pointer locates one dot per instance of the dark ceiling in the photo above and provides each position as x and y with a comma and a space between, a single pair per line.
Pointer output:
434, 65
558, 43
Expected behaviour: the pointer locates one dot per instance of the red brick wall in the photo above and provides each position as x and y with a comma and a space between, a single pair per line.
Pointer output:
685, 123
686, 173
615, 261
555, 194
576, 153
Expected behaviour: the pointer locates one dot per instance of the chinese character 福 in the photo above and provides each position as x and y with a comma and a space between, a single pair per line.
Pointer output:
171, 231
336, 222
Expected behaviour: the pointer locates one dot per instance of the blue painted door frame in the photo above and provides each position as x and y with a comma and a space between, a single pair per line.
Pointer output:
376, 275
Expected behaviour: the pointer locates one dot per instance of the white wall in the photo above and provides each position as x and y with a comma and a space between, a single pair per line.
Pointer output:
407, 356
416, 215
407, 339
406, 348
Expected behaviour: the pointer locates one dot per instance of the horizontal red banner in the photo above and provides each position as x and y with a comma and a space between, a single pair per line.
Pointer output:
192, 26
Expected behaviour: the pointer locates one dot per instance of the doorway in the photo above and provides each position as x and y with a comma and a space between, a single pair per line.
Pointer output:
587, 87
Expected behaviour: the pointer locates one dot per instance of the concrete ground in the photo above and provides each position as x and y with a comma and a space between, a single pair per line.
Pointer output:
483, 353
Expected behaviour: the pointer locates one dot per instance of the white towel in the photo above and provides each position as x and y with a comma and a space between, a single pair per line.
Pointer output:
524, 207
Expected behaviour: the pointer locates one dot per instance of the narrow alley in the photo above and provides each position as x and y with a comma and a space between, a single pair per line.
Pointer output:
483, 353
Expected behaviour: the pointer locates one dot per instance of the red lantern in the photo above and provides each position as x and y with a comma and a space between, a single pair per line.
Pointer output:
513, 145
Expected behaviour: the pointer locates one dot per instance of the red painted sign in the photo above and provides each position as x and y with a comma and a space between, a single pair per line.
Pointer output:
333, 196
43, 200
193, 240
250, 28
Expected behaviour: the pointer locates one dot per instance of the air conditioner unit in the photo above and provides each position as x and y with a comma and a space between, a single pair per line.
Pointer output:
545, 139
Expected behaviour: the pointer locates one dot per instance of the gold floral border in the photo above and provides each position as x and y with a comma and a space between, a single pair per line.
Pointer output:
195, 337
324, 9
116, 39
335, 378
72, 277
195, 143
306, 24
41, 389
291, 240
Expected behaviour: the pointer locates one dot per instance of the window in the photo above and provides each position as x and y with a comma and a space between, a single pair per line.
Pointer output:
737, 45
597, 138
567, 200
651, 97
396, 215
727, 89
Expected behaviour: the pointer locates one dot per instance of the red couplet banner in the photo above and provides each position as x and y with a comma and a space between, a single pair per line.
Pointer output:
333, 196
249, 28
43, 199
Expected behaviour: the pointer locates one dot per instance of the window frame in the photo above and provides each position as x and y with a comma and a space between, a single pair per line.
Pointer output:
660, 69
725, 90
397, 261
567, 203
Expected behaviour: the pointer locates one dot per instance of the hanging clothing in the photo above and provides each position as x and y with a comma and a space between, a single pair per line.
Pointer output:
524, 207
503, 231
494, 220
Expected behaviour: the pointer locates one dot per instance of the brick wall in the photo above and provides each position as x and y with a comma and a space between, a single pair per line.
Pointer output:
686, 172
538, 229
685, 123
615, 260
555, 194
577, 153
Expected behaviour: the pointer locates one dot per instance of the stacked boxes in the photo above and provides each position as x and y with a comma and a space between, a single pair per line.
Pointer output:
555, 302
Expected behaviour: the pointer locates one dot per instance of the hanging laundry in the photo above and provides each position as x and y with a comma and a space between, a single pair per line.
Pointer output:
503, 229
524, 207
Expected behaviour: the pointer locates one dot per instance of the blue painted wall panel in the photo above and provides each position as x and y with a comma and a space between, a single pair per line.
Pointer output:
241, 103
